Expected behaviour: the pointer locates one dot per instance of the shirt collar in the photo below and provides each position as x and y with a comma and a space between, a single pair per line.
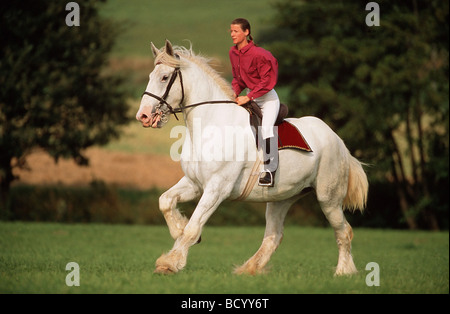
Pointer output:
246, 48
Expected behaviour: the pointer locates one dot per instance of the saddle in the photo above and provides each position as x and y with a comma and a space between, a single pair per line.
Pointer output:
288, 135
256, 116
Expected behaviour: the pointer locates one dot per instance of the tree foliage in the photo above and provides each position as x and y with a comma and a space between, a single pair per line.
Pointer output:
53, 94
384, 89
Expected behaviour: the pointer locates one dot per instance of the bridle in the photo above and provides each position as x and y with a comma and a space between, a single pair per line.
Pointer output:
162, 100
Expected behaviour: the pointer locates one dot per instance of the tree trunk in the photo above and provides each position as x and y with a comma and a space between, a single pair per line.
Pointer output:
401, 184
6, 178
430, 216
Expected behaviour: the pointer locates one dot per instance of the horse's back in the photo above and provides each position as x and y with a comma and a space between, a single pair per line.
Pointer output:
316, 132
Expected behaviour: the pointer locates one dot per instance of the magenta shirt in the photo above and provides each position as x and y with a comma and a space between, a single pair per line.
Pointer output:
254, 68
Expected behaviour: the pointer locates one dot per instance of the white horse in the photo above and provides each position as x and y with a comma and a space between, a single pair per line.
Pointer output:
184, 82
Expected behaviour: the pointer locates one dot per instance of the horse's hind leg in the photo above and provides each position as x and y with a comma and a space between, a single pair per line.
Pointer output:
275, 214
344, 234
183, 191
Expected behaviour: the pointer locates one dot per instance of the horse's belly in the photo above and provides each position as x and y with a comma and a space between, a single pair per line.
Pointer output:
295, 173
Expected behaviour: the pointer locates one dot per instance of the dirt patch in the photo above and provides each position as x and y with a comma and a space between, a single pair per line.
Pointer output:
142, 171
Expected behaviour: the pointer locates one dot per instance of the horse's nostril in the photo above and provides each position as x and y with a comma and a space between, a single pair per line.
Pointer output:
144, 116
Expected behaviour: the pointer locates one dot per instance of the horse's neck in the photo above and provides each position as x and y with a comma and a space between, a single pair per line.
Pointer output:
213, 129
213, 125
202, 88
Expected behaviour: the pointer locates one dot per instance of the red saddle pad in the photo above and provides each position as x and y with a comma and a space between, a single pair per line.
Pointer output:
290, 137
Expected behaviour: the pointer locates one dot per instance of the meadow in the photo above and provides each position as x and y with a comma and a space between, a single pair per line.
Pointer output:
202, 22
120, 259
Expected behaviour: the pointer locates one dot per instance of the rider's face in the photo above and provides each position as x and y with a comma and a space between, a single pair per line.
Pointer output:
238, 35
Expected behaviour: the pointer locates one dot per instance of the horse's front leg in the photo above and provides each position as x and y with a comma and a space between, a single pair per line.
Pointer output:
175, 259
183, 191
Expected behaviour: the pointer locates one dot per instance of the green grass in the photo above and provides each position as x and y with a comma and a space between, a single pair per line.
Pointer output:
120, 259
205, 23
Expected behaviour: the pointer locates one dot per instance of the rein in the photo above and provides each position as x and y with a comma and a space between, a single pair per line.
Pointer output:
205, 103
162, 99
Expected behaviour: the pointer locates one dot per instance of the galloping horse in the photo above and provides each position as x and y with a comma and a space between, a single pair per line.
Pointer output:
183, 82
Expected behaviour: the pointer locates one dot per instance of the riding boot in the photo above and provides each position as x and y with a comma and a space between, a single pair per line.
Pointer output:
270, 155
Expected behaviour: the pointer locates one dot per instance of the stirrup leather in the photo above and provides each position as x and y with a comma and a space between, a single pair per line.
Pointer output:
262, 174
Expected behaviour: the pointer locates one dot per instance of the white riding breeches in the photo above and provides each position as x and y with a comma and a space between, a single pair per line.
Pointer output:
270, 106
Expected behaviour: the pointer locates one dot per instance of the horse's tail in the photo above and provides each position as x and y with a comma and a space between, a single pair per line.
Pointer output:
358, 186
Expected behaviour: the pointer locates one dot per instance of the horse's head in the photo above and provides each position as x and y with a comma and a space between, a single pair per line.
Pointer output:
164, 93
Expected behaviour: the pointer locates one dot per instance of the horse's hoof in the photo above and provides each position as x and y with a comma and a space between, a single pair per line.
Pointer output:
163, 270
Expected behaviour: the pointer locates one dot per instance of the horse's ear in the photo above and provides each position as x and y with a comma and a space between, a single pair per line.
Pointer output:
155, 50
169, 49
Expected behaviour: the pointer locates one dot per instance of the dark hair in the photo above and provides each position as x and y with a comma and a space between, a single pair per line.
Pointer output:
245, 25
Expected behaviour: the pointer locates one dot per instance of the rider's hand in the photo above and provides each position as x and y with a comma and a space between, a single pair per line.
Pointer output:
242, 100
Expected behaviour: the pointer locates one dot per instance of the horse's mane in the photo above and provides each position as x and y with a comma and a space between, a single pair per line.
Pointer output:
199, 60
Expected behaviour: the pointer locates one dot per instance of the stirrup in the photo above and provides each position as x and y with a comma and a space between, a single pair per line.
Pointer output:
262, 176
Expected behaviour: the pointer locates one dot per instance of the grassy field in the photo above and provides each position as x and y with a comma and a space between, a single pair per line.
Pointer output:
203, 22
120, 259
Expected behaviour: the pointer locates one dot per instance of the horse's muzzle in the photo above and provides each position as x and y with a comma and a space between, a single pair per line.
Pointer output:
150, 121
149, 117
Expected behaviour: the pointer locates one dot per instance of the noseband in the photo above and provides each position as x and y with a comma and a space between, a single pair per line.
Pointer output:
162, 99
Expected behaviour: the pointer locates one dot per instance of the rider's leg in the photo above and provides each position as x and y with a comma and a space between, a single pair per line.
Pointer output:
270, 106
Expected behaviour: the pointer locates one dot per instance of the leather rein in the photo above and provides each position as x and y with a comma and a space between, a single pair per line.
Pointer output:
162, 100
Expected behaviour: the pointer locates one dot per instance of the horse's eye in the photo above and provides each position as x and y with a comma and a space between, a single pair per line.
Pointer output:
164, 78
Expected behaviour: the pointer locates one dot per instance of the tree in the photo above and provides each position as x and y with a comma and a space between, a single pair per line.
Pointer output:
53, 93
384, 89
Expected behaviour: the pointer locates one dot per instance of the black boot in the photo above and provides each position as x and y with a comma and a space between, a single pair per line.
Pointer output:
270, 153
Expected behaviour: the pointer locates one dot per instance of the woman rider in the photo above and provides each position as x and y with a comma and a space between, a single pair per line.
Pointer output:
256, 69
